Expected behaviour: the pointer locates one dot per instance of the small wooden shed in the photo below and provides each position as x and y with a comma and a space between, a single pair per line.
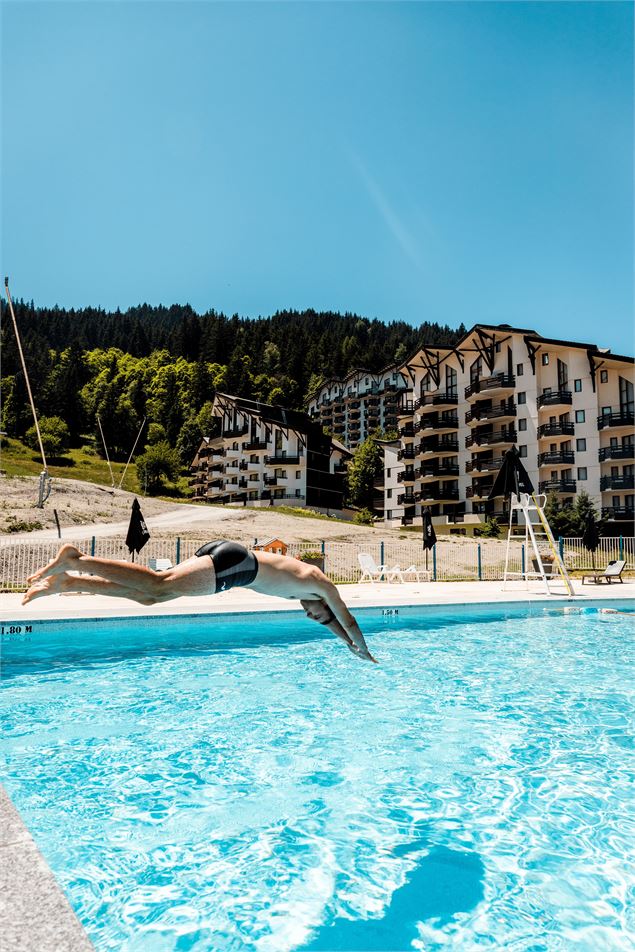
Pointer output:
277, 546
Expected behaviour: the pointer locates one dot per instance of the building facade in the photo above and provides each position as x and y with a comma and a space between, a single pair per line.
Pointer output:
567, 406
265, 456
355, 406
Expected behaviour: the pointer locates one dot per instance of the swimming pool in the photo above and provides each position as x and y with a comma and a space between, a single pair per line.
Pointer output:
245, 783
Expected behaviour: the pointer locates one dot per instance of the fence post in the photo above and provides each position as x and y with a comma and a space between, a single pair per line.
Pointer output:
522, 558
178, 550
561, 548
92, 547
621, 547
323, 557
478, 559
434, 562
381, 553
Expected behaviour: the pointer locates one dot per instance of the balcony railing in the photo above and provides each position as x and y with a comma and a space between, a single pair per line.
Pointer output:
479, 492
256, 445
556, 459
406, 499
430, 493
497, 382
618, 512
490, 413
617, 482
281, 459
232, 432
425, 472
554, 398
409, 429
617, 452
448, 398
555, 429
407, 453
438, 446
450, 422
484, 465
491, 439
557, 486
622, 418
407, 476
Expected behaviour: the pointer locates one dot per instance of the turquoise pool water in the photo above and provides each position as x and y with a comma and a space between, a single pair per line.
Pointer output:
213, 784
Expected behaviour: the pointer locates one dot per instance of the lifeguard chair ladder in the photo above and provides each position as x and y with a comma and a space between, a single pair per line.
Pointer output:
536, 529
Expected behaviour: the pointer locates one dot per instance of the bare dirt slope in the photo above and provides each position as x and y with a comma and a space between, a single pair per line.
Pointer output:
87, 509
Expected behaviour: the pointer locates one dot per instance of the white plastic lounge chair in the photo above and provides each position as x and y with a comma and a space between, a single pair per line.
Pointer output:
159, 565
613, 571
416, 575
371, 572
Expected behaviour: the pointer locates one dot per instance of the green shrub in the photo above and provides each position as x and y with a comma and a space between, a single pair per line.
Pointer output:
363, 518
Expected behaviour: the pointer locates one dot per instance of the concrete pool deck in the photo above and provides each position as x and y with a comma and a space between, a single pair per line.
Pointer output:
35, 913
381, 594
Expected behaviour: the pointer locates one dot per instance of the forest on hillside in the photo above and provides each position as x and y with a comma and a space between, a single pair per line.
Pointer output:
165, 364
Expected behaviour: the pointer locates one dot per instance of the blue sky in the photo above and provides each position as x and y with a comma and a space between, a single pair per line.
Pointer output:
445, 161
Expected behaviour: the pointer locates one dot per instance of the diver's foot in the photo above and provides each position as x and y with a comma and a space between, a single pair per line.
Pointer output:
51, 585
66, 559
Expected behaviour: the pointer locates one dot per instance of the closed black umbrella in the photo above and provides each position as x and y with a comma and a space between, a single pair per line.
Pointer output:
138, 533
591, 536
429, 535
512, 477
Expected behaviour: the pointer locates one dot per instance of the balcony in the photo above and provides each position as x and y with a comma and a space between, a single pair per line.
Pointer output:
497, 382
406, 499
617, 483
622, 418
449, 422
617, 452
281, 460
379, 482
407, 453
270, 480
495, 438
438, 447
408, 430
407, 476
484, 465
215, 451
434, 471
479, 492
564, 457
235, 431
618, 512
555, 429
557, 486
406, 407
555, 398
449, 398
432, 493
255, 445
491, 413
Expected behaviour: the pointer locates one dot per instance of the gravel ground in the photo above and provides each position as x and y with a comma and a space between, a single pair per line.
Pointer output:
106, 511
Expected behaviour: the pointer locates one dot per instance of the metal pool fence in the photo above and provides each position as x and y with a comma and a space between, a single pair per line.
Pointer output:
447, 561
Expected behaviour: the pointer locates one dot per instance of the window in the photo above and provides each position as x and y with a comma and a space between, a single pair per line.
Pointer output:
604, 376
389, 493
582, 472
577, 386
606, 411
545, 360
298, 474
519, 370
522, 398
389, 514
579, 416
497, 348
627, 396
450, 380
580, 444
388, 474
522, 451
522, 424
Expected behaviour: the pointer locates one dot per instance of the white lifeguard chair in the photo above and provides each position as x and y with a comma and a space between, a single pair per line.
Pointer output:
537, 529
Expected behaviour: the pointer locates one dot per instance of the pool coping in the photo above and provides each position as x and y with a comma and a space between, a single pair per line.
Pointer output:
35, 913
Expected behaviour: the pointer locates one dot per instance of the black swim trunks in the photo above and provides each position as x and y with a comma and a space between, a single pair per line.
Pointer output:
233, 564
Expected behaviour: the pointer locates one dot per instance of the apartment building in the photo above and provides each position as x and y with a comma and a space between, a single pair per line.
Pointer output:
568, 407
355, 406
266, 456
